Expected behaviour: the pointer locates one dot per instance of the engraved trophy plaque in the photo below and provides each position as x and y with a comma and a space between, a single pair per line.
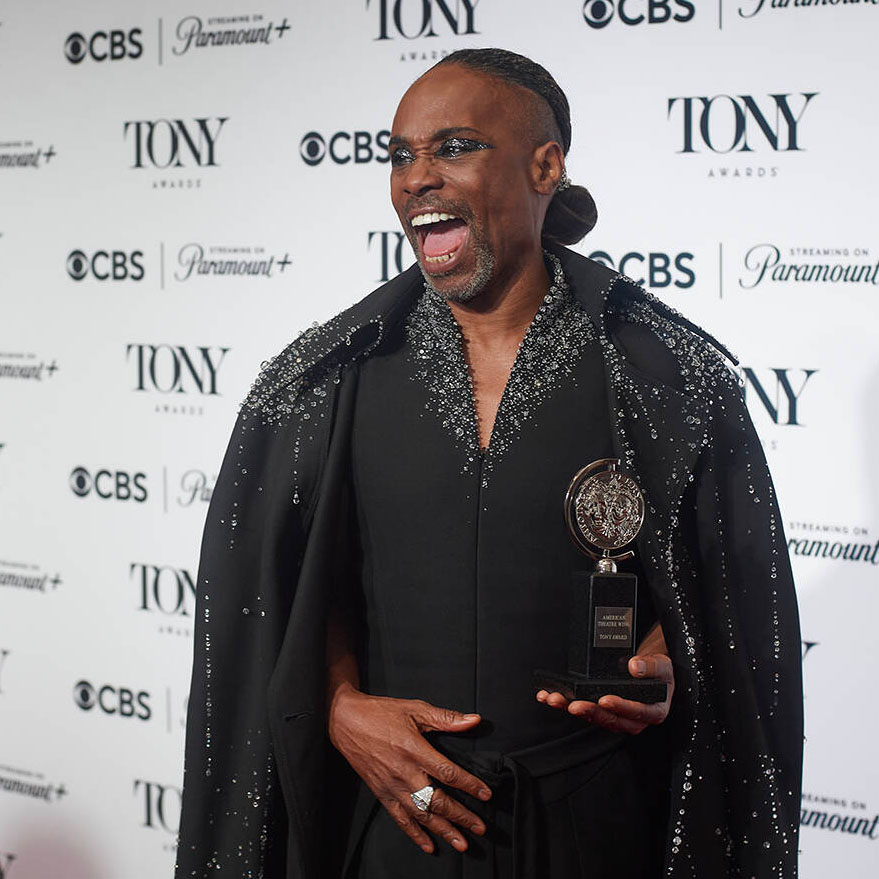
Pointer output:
604, 511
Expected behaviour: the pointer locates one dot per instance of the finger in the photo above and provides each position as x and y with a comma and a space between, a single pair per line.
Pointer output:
407, 823
636, 711
431, 718
582, 708
448, 807
556, 700
544, 697
643, 712
652, 665
441, 827
600, 716
450, 774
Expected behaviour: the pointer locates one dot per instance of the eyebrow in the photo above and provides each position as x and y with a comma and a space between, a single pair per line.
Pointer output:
442, 134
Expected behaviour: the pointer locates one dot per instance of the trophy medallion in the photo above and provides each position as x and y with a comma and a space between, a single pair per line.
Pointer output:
604, 511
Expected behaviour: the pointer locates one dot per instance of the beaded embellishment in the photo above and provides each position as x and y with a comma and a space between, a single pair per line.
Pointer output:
551, 347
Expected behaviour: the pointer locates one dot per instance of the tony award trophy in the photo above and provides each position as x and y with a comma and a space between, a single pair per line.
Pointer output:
604, 510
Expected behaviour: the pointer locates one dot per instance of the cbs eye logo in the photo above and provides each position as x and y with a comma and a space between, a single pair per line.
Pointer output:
81, 481
103, 45
84, 695
75, 48
77, 265
119, 701
359, 147
597, 13
109, 484
313, 148
104, 265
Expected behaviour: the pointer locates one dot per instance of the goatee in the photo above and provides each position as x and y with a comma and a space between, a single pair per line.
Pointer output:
473, 286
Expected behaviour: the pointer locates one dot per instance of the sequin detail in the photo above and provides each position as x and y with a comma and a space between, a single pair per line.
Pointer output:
308, 362
550, 349
707, 437
734, 796
296, 384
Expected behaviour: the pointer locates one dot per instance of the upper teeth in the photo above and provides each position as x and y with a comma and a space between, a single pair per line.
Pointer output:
424, 219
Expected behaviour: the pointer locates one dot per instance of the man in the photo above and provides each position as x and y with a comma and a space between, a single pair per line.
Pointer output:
385, 562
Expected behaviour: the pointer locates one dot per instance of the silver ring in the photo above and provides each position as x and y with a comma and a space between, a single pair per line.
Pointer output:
422, 798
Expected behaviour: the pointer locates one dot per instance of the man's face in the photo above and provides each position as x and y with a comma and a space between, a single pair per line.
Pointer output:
461, 148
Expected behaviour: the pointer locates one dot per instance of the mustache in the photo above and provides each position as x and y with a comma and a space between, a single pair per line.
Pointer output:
440, 206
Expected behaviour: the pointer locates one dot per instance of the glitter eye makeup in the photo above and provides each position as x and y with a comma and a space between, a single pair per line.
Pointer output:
400, 156
456, 146
450, 148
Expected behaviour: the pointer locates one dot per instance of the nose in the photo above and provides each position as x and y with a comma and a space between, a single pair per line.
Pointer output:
421, 176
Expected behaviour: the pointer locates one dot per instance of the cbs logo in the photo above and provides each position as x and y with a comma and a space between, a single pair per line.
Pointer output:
102, 45
113, 700
661, 269
599, 13
108, 484
104, 265
344, 147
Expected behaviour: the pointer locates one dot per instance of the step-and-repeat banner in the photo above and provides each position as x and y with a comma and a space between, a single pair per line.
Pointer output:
184, 186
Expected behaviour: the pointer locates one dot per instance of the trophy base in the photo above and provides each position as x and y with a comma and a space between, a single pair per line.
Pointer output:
576, 686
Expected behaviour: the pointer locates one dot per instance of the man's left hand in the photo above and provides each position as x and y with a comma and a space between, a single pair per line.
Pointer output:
623, 715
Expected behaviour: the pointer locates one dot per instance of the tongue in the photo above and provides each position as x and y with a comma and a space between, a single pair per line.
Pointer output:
443, 238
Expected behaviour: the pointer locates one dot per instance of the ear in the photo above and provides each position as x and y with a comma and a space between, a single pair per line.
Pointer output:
547, 164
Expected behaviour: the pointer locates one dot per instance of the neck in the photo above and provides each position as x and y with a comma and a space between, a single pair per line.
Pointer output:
504, 310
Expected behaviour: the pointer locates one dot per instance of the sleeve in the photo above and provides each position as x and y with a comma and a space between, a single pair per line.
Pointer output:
753, 638
233, 815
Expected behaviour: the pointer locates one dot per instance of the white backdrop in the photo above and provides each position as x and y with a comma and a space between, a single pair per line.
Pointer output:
730, 146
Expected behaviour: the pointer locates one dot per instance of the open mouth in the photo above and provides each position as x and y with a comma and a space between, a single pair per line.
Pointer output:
440, 236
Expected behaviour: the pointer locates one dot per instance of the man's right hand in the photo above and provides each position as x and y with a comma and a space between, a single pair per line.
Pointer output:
383, 740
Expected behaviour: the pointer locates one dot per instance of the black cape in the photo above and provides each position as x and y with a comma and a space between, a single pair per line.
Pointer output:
264, 791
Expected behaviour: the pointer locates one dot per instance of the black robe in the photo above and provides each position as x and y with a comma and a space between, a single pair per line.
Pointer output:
265, 793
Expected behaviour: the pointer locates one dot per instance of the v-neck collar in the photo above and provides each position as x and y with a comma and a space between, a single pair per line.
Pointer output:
552, 344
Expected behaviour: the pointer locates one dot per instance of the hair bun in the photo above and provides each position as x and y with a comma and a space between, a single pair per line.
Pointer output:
571, 214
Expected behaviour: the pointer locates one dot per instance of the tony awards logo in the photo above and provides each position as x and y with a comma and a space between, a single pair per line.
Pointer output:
607, 509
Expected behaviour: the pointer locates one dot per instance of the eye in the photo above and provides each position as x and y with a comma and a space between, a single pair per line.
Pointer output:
401, 156
458, 146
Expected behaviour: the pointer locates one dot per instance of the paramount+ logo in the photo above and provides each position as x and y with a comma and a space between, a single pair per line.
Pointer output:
344, 147
109, 699
119, 485
600, 13
106, 265
113, 45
